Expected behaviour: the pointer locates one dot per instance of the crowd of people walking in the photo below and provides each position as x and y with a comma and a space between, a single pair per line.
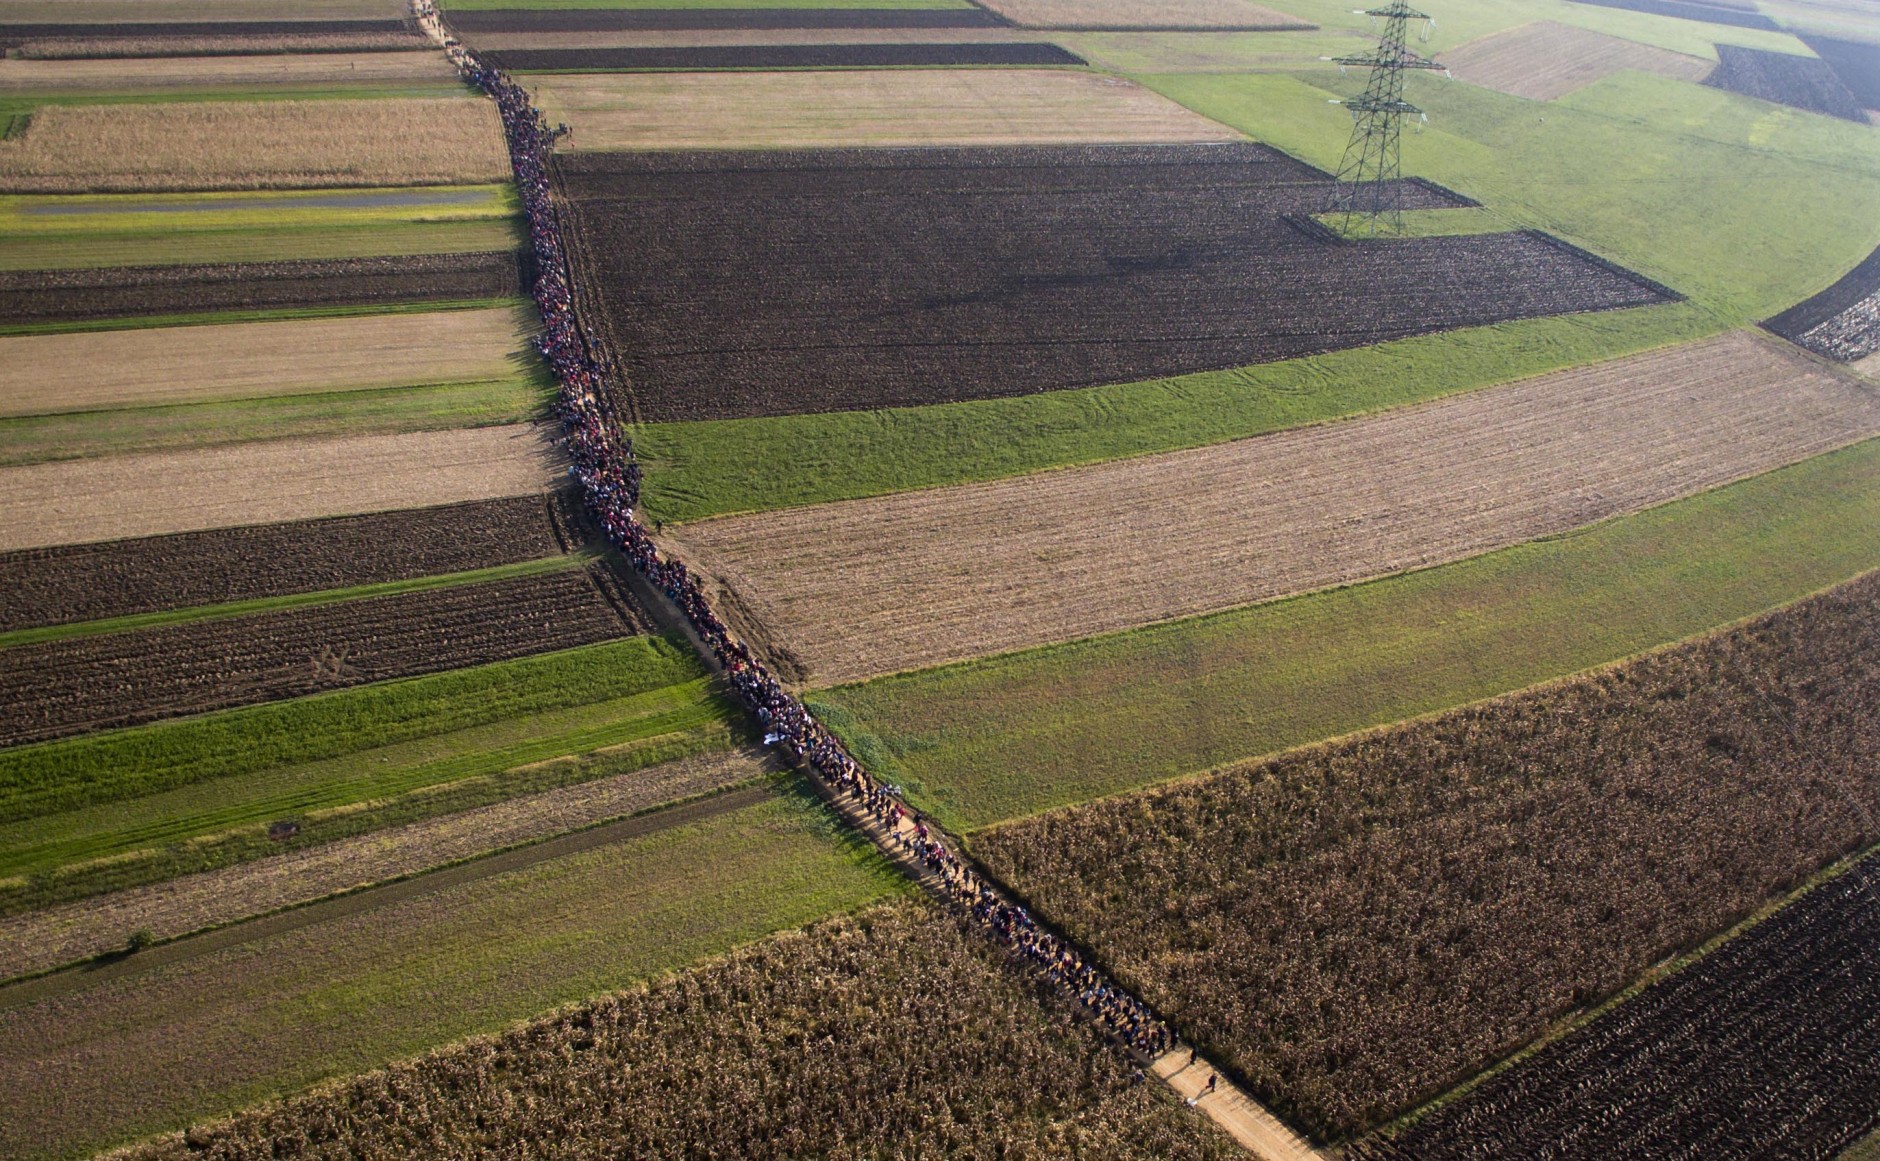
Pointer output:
602, 462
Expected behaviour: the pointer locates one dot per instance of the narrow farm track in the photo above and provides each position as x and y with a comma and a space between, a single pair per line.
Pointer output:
842, 592
76, 980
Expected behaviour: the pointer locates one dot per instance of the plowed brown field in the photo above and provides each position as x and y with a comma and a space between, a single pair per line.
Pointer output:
40, 374
310, 70
845, 591
1544, 60
1132, 14
77, 502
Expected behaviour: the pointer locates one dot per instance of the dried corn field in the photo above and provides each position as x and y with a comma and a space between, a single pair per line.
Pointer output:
893, 1033
1545, 60
1358, 926
254, 145
849, 590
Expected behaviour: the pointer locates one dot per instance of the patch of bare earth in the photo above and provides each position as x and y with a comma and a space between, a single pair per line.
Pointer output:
809, 109
740, 37
856, 589
309, 69
77, 502
1122, 14
214, 145
1544, 60
60, 935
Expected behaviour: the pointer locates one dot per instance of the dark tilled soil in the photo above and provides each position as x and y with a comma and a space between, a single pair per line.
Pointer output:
685, 19
57, 688
119, 47
12, 34
1857, 62
88, 582
777, 284
60, 295
1684, 10
1843, 321
784, 56
1797, 81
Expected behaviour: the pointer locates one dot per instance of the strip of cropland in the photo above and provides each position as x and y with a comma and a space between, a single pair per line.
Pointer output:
1679, 199
1003, 737
707, 1046
368, 984
211, 145
476, 19
846, 591
810, 109
1212, 15
1856, 61
1772, 1032
78, 502
1100, 265
1545, 60
1843, 321
1692, 10
691, 58
51, 79
1359, 926
1797, 81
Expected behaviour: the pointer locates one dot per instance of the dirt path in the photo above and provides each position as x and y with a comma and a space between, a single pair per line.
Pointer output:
1243, 1118
860, 588
75, 980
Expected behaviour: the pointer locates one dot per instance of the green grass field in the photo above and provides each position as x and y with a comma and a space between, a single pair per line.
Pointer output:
77, 772
151, 1051
155, 247
1681, 194
1003, 737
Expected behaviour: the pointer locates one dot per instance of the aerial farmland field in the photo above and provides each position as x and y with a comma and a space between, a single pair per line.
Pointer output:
925, 578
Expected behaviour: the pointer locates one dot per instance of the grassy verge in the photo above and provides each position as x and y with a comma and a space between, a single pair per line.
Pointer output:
180, 247
1009, 736
76, 772
695, 470
182, 1041
80, 435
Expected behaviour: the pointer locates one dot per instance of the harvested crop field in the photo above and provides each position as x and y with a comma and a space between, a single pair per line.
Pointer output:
473, 22
1857, 62
1692, 10
912, 580
59, 935
1799, 82
695, 1065
131, 21
303, 70
83, 684
122, 291
265, 483
1778, 1022
217, 145
1545, 60
145, 48
808, 109
91, 370
89, 582
732, 285
1122, 15
1843, 321
1357, 927
1016, 54
498, 42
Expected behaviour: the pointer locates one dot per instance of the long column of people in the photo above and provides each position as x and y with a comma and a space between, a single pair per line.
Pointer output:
605, 467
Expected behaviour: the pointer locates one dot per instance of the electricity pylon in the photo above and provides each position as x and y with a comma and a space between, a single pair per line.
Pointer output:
1369, 193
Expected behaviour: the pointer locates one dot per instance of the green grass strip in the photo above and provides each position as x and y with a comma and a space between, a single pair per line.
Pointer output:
695, 470
1008, 736
75, 772
271, 314
182, 246
291, 601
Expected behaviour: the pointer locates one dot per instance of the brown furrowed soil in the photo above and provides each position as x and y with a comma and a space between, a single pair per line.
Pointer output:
1800, 82
850, 590
309, 70
861, 108
721, 37
1843, 321
60, 935
79, 502
80, 684
1122, 15
213, 145
89, 582
894, 1033
1356, 927
732, 284
478, 23
686, 58
123, 291
1545, 60
92, 370
95, 48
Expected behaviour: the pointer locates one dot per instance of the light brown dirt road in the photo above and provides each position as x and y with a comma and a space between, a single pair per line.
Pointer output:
1544, 60
1244, 1119
856, 589
80, 501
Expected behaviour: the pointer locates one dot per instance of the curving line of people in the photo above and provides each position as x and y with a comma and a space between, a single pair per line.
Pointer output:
610, 479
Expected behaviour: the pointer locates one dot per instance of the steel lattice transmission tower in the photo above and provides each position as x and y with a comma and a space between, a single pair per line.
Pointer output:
1369, 194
